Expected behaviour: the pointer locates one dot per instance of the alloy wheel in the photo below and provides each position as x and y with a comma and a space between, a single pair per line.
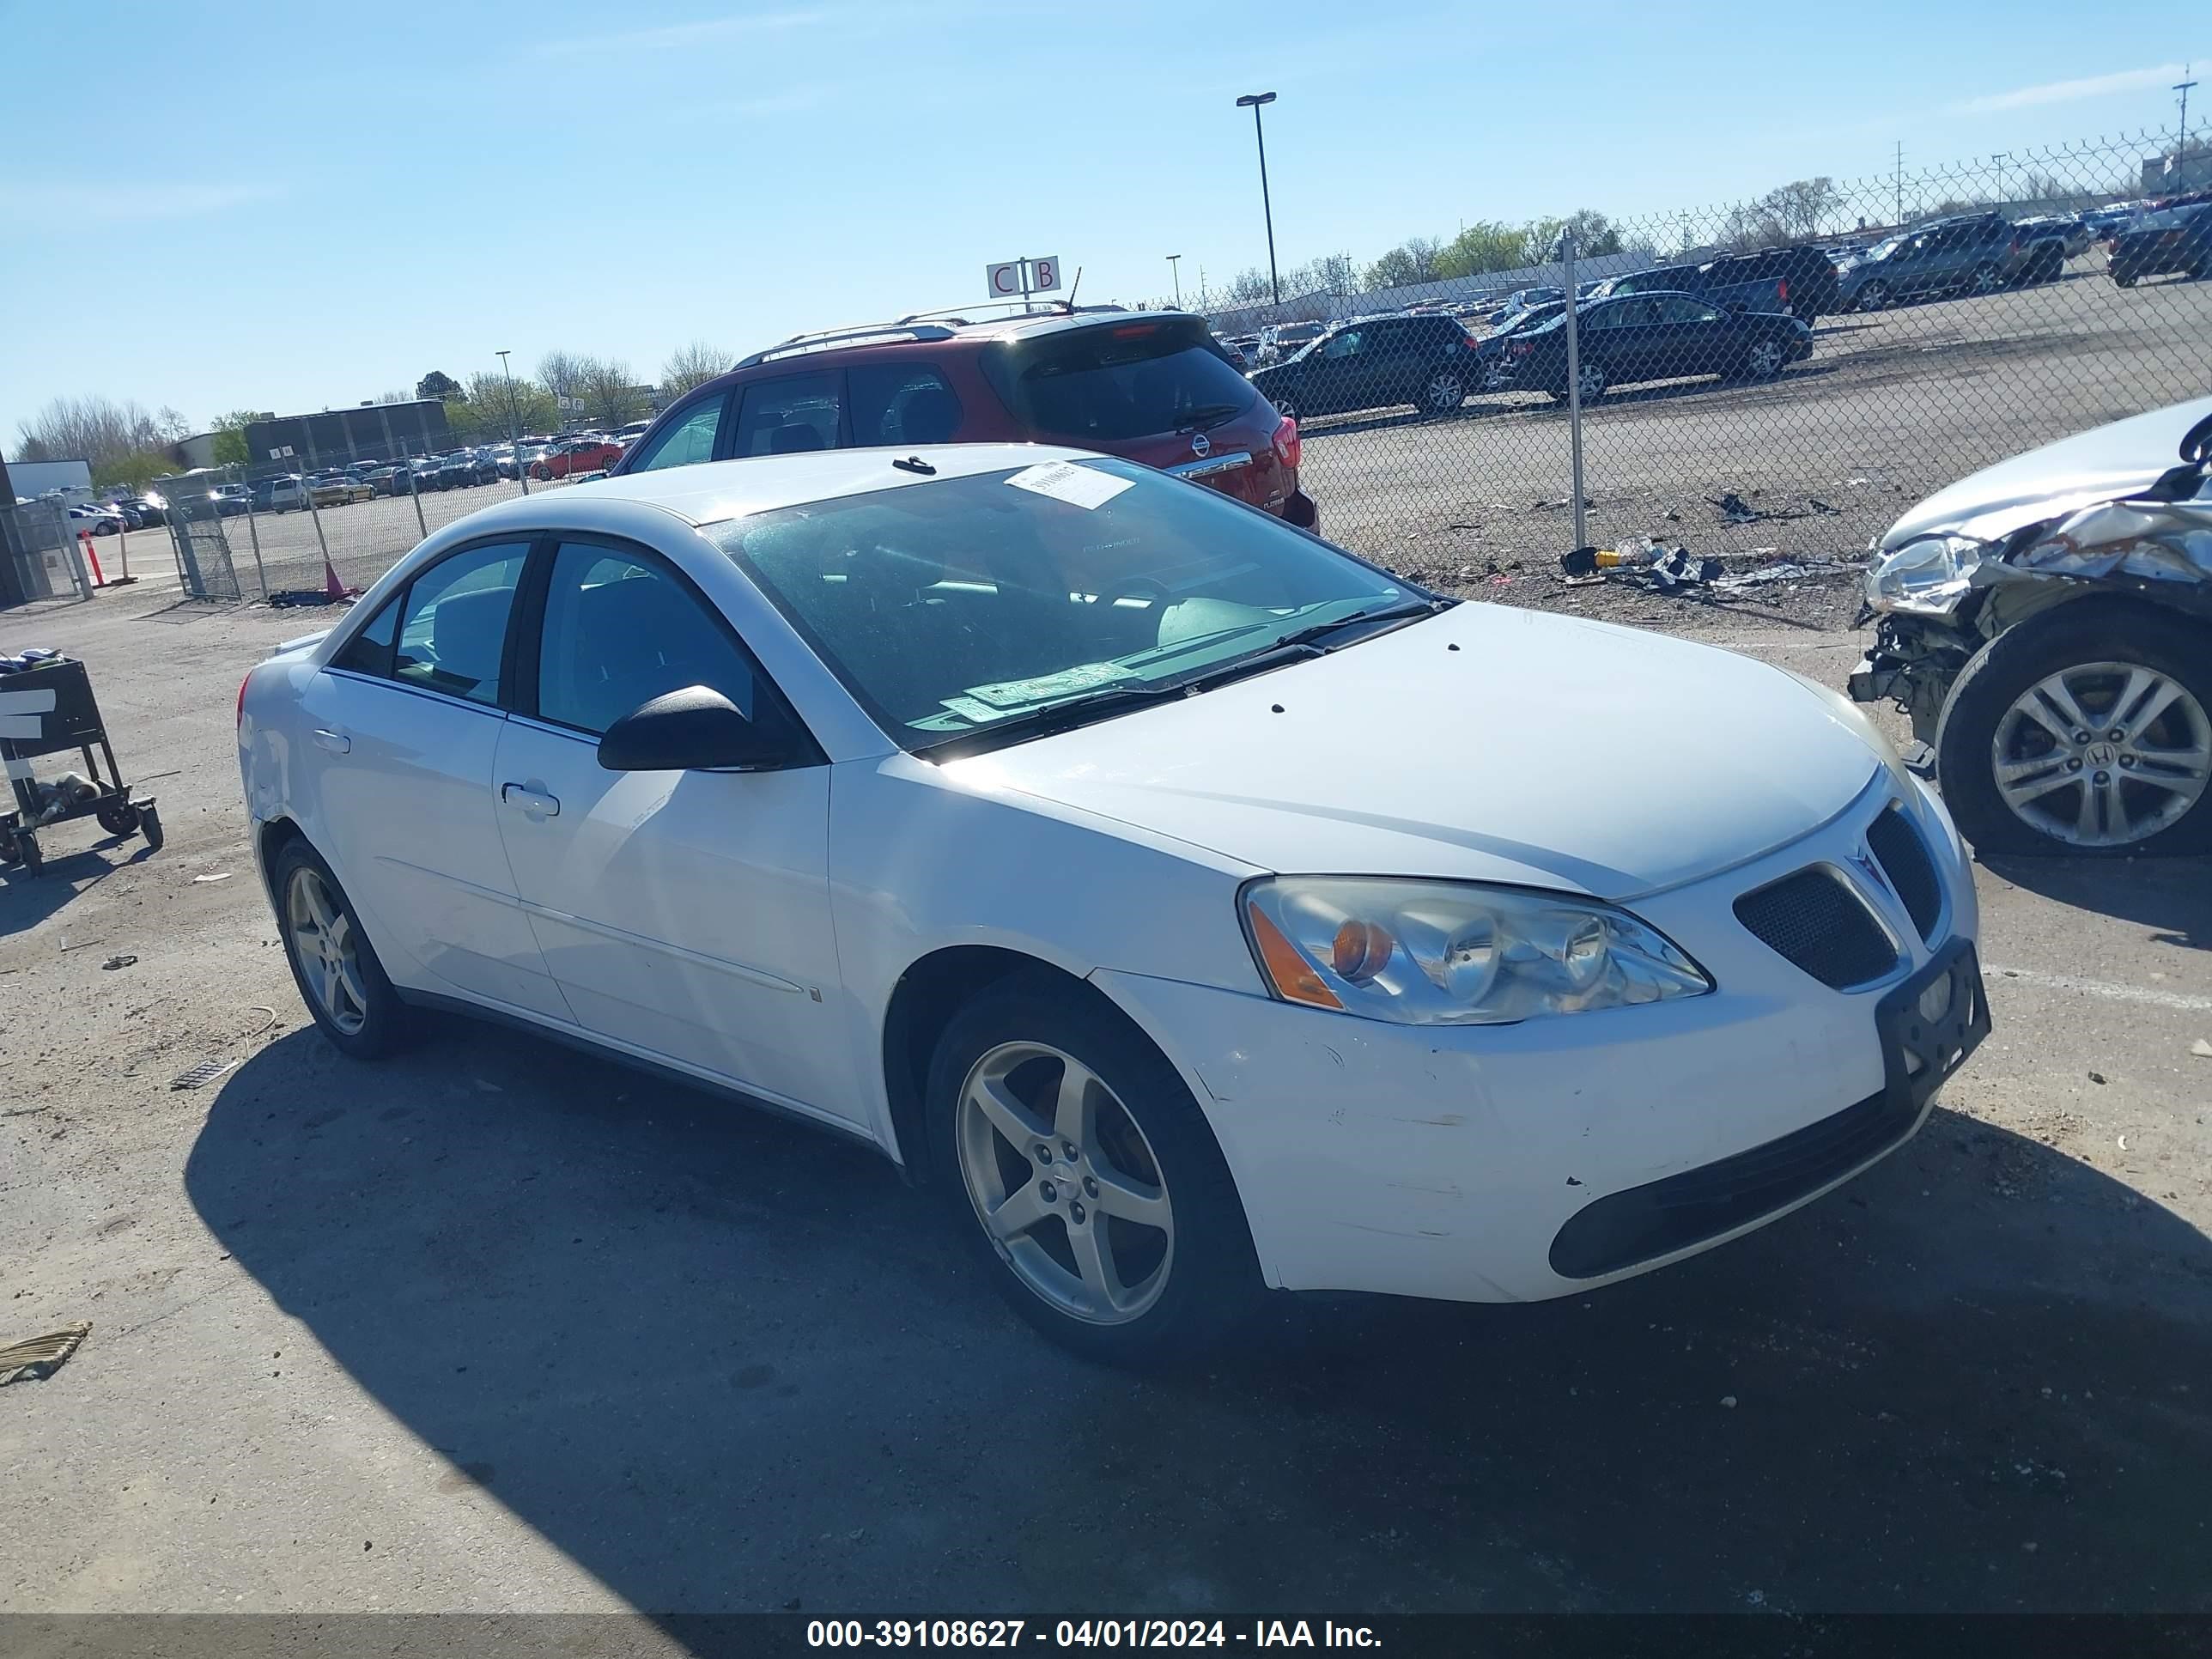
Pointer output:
1589, 380
2102, 754
1873, 296
324, 947
1443, 393
1065, 1183
1987, 279
1767, 360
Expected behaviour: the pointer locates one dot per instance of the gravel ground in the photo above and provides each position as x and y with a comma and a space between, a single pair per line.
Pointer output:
493, 1328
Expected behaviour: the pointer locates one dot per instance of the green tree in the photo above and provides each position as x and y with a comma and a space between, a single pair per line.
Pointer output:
230, 437
1484, 246
440, 385
1594, 235
493, 407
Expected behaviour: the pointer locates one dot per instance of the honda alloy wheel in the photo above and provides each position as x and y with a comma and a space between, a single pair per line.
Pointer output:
2085, 730
2102, 754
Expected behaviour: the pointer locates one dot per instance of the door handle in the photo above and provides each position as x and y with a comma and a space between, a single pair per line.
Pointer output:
336, 742
534, 803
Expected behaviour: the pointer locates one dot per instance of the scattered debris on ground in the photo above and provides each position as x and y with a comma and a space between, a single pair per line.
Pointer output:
198, 1076
115, 962
40, 1357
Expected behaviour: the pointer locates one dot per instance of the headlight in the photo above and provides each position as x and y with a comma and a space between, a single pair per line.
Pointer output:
1453, 953
1927, 576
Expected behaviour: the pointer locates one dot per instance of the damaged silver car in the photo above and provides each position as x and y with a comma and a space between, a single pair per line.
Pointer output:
2047, 624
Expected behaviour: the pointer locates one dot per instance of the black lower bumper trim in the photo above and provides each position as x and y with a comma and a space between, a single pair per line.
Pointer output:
1645, 1223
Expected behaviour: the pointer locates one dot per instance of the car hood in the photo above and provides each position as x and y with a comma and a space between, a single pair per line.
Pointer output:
2074, 472
1545, 750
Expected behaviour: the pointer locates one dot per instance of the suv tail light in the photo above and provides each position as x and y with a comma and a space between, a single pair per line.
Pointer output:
242, 684
1782, 292
1288, 445
1521, 348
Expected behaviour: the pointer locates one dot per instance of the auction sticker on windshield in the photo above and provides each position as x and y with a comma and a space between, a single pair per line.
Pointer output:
1078, 485
1015, 694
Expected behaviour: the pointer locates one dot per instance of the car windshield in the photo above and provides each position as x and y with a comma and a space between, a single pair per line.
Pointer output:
1118, 380
971, 612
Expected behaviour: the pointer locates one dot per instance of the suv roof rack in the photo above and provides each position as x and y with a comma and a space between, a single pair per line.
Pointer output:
904, 329
915, 325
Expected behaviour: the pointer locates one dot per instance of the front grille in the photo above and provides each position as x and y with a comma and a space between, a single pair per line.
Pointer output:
1821, 926
1669, 1215
1905, 861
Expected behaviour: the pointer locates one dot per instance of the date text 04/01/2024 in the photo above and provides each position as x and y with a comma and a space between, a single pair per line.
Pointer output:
1084, 1633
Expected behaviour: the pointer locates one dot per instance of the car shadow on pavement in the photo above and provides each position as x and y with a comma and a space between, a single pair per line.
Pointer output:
725, 1362
2171, 898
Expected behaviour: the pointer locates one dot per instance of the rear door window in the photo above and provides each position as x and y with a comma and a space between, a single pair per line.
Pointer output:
1117, 381
790, 415
902, 404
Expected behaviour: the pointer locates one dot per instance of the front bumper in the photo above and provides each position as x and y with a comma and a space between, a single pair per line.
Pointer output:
1516, 1163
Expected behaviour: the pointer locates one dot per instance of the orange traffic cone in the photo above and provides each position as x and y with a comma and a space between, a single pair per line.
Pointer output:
91, 558
333, 588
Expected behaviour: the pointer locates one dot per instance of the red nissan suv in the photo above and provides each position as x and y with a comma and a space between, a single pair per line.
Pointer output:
1150, 386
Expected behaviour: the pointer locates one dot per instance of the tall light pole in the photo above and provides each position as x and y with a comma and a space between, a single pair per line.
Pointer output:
1253, 101
513, 413
2181, 143
2001, 158
1177, 269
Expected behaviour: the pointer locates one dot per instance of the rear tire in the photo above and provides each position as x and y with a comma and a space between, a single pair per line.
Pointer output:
1443, 392
1071, 1257
332, 962
1986, 279
1875, 296
1982, 712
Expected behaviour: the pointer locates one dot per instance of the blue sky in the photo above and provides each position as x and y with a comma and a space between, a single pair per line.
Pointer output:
294, 205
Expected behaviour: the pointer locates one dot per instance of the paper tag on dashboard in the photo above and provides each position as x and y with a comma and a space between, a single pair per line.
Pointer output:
1079, 486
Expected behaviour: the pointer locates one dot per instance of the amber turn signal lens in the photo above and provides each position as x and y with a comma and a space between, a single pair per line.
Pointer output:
1293, 976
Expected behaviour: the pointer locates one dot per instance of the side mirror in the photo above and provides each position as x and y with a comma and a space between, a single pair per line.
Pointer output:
692, 730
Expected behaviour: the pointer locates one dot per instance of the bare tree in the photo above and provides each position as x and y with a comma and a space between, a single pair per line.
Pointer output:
609, 391
694, 365
1790, 213
96, 429
560, 372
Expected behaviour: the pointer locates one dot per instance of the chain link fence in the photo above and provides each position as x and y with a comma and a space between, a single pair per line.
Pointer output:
277, 531
1769, 380
40, 556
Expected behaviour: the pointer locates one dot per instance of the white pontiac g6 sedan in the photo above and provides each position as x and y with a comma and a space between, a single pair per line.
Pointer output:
1199, 906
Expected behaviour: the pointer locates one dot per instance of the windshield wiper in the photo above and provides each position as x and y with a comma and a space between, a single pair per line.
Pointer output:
1313, 633
1206, 415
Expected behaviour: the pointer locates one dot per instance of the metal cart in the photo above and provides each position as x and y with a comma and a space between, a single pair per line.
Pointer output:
48, 710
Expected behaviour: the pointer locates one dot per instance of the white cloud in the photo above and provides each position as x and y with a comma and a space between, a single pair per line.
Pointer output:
144, 200
2153, 79
679, 34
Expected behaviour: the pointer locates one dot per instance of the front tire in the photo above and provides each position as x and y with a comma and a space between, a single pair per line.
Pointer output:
2027, 749
333, 963
1133, 1249
1875, 296
1986, 279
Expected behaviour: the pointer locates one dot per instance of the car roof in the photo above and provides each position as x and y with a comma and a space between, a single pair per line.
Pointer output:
711, 491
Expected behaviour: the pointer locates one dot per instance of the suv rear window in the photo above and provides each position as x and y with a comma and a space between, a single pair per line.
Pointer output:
1117, 381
